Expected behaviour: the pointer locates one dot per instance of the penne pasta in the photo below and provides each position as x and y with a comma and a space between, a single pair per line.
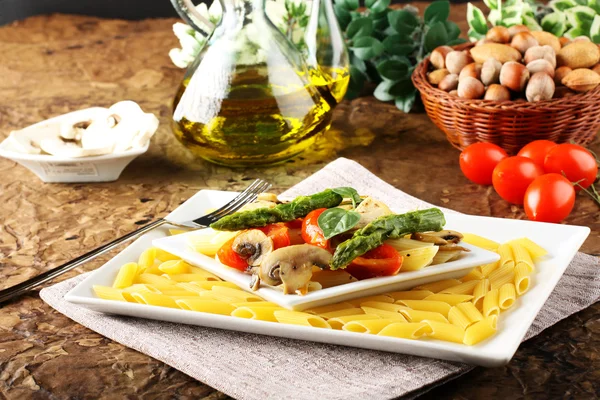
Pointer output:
126, 275
506, 256
300, 318
140, 287
189, 277
383, 306
207, 306
154, 299
480, 241
418, 316
338, 323
427, 305
507, 296
254, 304
490, 303
438, 286
154, 280
535, 250
480, 331
445, 331
176, 291
372, 326
146, 259
487, 269
230, 295
174, 267
258, 313
108, 293
190, 287
403, 244
199, 271
410, 295
445, 256
379, 298
330, 278
483, 286
470, 311
501, 276
208, 285
474, 275
164, 255
384, 313
458, 318
406, 330
521, 255
465, 288
341, 313
522, 279
452, 299
329, 308
418, 258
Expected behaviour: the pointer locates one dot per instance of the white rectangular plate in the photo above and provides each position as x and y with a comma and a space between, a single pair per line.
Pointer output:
562, 242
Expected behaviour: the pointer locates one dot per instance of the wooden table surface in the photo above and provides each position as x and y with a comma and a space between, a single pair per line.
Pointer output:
54, 64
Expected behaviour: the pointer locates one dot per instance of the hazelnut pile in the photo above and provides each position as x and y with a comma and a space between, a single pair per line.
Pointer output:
515, 63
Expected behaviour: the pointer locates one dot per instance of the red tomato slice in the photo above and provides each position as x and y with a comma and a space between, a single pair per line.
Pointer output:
537, 150
513, 175
311, 233
477, 162
279, 233
381, 261
575, 162
549, 198
230, 258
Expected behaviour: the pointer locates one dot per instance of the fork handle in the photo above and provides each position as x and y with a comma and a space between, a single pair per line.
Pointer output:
20, 288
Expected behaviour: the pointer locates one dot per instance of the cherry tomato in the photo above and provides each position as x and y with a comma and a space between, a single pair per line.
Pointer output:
477, 162
549, 198
381, 261
513, 175
537, 150
574, 161
295, 224
311, 233
280, 234
230, 258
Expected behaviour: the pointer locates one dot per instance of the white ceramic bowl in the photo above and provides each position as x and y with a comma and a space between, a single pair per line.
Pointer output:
51, 168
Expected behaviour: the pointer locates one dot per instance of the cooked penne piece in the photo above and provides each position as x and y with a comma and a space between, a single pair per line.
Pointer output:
480, 331
140, 287
126, 275
176, 291
458, 318
506, 256
384, 313
403, 244
330, 278
535, 250
410, 295
483, 286
337, 323
255, 304
438, 286
190, 277
470, 311
190, 287
237, 294
418, 258
174, 267
521, 255
383, 306
341, 313
522, 279
199, 271
329, 308
445, 331
507, 296
207, 306
258, 313
406, 330
501, 276
465, 288
208, 285
480, 241
418, 316
487, 269
154, 280
490, 303
474, 275
380, 298
164, 255
452, 299
146, 259
300, 318
108, 293
427, 305
312, 286
154, 299
445, 256
372, 326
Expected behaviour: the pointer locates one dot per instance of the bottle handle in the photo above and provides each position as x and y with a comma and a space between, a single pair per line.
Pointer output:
187, 11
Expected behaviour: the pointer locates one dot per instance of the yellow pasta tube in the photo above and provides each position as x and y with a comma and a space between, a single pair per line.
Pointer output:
140, 287
452, 299
341, 313
445, 331
479, 331
108, 293
384, 314
329, 308
474, 275
255, 304
438, 286
190, 287
208, 285
155, 280
258, 313
154, 299
372, 326
207, 275
480, 241
380, 298
207, 306
507, 296
506, 256
501, 276
238, 293
458, 318
164, 255
418, 316
190, 277
418, 258
463, 288
383, 306
406, 330
177, 291
483, 286
522, 280
427, 305
300, 318
403, 244
487, 269
534, 249
490, 303
410, 295
126, 275
521, 255
174, 267
337, 323
146, 259
330, 278
470, 311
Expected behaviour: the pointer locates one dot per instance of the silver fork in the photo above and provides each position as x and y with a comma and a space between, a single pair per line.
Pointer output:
245, 197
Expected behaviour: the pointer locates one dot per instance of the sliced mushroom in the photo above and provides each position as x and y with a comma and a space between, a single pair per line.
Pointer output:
22, 143
438, 238
370, 209
60, 147
253, 246
74, 131
452, 247
271, 197
292, 266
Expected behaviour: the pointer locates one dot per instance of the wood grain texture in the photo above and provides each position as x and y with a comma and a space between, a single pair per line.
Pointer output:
54, 64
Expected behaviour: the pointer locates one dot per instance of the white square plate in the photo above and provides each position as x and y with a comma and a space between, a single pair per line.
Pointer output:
562, 242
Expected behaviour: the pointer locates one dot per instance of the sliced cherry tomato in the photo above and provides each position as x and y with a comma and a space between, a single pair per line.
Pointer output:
280, 234
537, 150
549, 198
477, 162
295, 224
381, 261
230, 258
575, 162
513, 175
311, 233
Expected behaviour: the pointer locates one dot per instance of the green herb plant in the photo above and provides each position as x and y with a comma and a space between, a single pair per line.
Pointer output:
338, 220
386, 44
572, 18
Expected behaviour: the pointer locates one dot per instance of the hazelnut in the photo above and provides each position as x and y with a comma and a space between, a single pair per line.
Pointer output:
453, 93
470, 88
497, 93
513, 30
541, 52
438, 56
435, 77
540, 87
490, 71
523, 41
457, 60
498, 34
483, 41
449, 83
473, 70
514, 76
560, 73
580, 39
541, 66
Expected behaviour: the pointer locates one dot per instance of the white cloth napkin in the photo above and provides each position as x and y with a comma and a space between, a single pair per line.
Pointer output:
255, 367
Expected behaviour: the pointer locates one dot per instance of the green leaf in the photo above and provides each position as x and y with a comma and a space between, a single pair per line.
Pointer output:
381, 92
452, 29
531, 23
456, 41
367, 47
380, 21
561, 5
402, 21
581, 2
474, 36
337, 220
392, 69
356, 84
492, 4
351, 4
574, 32
555, 23
359, 27
580, 17
476, 19
495, 17
435, 36
438, 11
401, 87
595, 30
348, 193
406, 101
399, 45
342, 15
595, 5
358, 63
377, 5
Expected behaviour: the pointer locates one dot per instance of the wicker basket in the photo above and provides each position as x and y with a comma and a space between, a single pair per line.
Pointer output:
509, 124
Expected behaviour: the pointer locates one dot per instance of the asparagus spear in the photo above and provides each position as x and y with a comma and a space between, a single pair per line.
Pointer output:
386, 227
297, 208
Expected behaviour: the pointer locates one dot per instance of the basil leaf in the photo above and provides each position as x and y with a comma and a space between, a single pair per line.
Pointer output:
337, 220
348, 193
